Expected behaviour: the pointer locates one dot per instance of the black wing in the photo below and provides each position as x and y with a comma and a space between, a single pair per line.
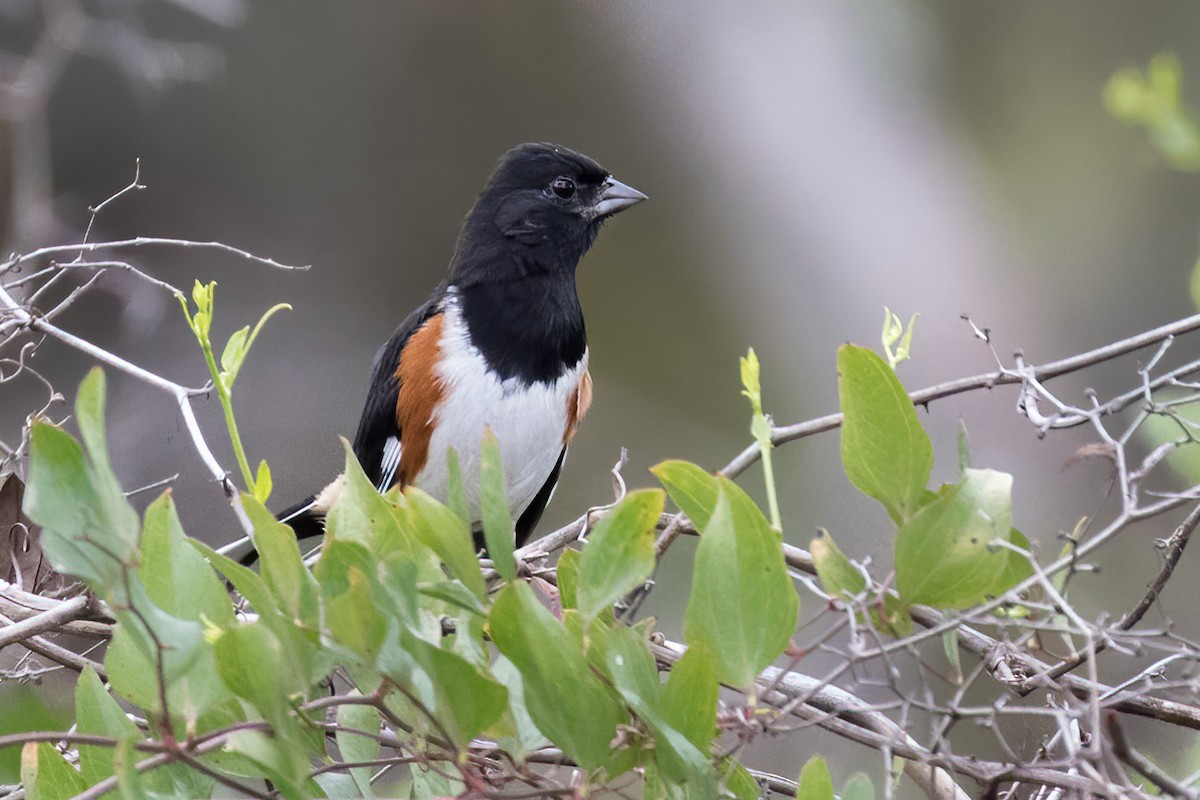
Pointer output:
533, 513
376, 426
378, 422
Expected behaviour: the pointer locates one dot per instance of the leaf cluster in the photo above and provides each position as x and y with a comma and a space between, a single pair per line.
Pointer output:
950, 546
396, 646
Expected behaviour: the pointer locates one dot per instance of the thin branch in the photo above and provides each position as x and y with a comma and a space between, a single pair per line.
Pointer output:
94, 211
343, 766
59, 655
220, 777
143, 241
1174, 545
1054, 369
181, 394
16, 605
1124, 751
68, 611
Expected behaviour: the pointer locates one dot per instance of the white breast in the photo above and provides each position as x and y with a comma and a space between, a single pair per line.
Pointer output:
529, 421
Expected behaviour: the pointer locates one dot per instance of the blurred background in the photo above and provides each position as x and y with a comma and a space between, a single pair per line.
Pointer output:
807, 162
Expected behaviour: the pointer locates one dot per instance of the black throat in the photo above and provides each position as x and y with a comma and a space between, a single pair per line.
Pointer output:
530, 328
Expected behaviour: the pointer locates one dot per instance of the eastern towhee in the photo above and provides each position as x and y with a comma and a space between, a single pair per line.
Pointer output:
500, 343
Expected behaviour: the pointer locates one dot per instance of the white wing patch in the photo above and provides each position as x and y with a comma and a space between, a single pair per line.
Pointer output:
389, 463
299, 511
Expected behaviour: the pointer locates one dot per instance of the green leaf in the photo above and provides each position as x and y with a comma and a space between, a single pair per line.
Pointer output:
26, 710
362, 515
456, 494
964, 449
344, 564
689, 697
176, 576
187, 664
494, 508
462, 700
359, 513
619, 555
565, 699
751, 380
249, 583
398, 580
625, 658
339, 786
568, 577
47, 775
283, 760
740, 783
897, 340
623, 655
98, 713
885, 451
233, 355
131, 669
950, 648
815, 782
448, 534
270, 312
172, 780
202, 295
1157, 429
153, 641
238, 346
353, 616
1153, 100
291, 584
839, 578
201, 324
258, 666
62, 499
944, 556
250, 662
454, 595
130, 783
1018, 567
690, 487
521, 735
355, 747
743, 605
89, 529
858, 787
428, 784
263, 483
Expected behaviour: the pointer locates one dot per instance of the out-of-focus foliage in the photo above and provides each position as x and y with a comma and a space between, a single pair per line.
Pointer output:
1153, 98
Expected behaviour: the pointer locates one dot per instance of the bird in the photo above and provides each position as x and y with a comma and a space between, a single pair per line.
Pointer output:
500, 344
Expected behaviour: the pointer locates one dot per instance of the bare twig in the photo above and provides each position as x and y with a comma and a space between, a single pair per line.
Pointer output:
1054, 369
1124, 751
59, 655
68, 611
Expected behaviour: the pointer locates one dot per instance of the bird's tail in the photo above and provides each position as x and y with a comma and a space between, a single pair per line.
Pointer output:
304, 518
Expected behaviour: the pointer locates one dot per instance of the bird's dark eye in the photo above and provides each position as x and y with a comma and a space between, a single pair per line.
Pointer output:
563, 187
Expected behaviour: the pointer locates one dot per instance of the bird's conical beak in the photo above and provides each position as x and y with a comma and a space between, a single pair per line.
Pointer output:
616, 196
